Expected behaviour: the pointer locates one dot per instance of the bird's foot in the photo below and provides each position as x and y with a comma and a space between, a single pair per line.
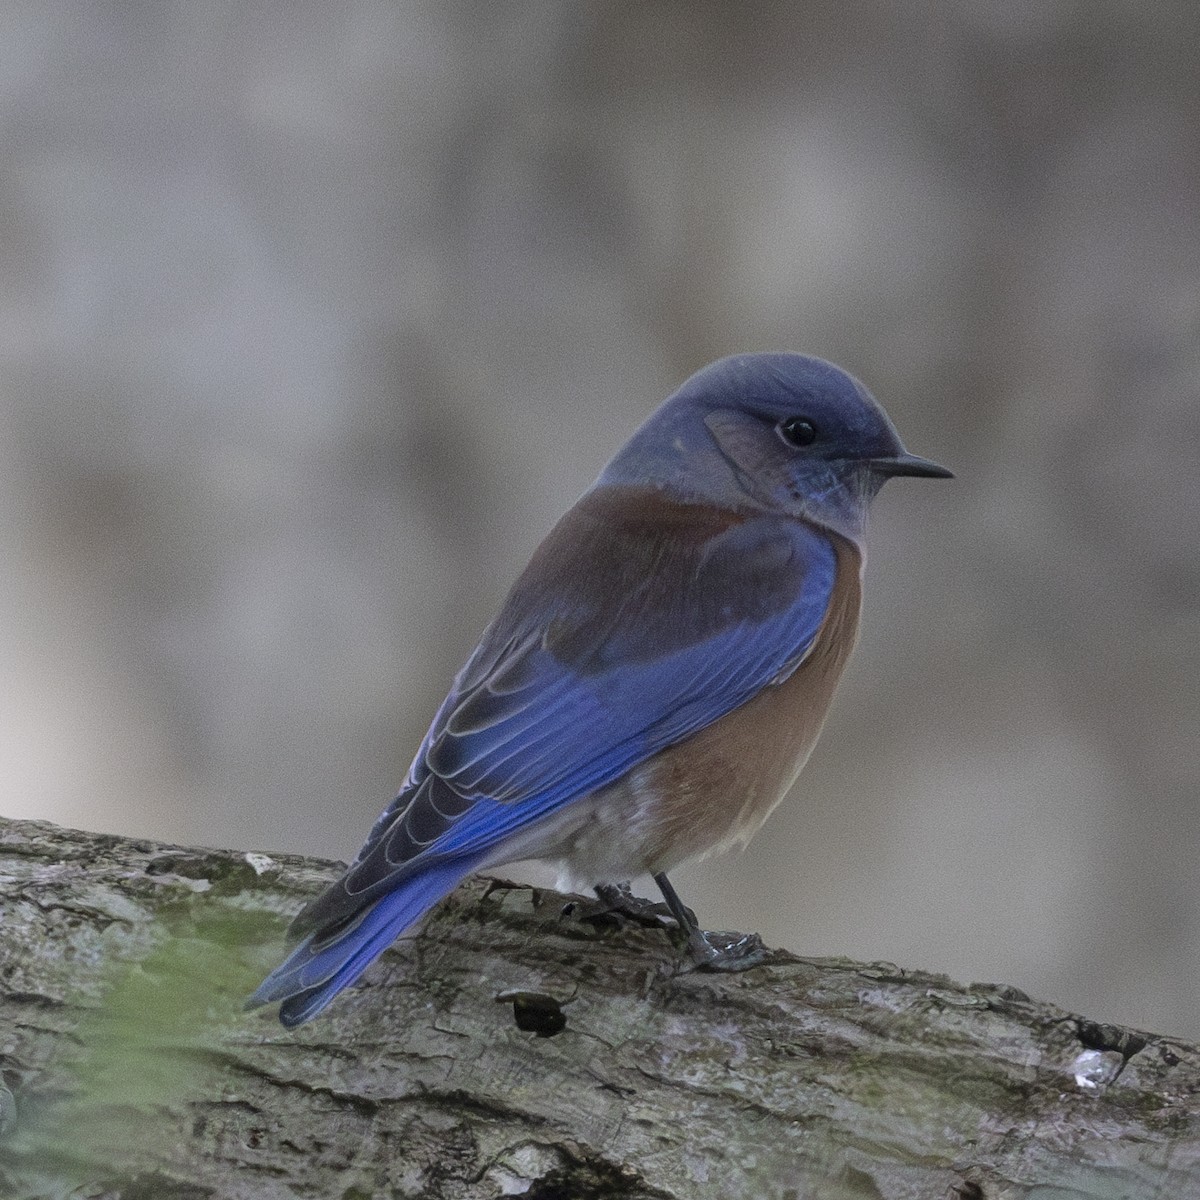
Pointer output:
717, 951
616, 899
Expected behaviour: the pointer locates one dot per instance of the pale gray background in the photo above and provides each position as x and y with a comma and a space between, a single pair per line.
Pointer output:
314, 316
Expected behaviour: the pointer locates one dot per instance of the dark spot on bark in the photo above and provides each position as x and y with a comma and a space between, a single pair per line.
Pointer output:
589, 1179
1095, 1036
535, 1012
605, 919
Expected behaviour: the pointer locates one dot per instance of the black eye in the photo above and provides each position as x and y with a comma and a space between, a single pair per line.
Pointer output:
798, 431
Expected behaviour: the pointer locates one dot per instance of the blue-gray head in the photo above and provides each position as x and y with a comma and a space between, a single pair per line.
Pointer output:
783, 432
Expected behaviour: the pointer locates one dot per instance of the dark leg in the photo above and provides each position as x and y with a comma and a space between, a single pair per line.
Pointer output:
712, 951
683, 915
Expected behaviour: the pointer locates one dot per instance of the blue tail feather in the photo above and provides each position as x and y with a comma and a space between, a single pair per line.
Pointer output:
323, 964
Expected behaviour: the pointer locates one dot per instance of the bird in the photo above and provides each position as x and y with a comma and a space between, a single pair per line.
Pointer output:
656, 677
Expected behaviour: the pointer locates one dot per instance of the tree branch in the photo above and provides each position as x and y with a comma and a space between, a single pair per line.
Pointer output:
514, 1048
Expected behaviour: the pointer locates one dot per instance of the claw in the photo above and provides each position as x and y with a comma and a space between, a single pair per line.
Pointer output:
708, 951
619, 900
713, 951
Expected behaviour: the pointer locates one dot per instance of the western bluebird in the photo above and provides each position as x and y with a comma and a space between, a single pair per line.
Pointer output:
655, 679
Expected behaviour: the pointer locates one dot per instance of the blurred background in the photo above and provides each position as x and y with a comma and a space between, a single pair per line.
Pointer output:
313, 318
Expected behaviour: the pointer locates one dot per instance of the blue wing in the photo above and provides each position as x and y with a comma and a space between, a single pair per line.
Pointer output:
638, 622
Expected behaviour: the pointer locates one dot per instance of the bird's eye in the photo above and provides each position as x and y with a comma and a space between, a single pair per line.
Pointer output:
798, 431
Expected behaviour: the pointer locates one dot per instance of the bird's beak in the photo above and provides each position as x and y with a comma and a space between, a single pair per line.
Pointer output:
909, 464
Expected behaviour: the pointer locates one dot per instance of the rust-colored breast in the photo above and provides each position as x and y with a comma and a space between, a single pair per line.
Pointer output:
718, 787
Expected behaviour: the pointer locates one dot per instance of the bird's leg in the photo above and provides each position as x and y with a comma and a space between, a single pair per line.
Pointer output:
619, 899
712, 951
685, 918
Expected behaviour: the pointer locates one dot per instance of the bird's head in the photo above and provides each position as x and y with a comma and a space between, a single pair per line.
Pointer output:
783, 432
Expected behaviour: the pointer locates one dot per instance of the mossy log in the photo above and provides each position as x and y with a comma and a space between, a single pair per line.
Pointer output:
527, 1043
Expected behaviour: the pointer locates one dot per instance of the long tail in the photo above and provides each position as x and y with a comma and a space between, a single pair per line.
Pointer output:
332, 958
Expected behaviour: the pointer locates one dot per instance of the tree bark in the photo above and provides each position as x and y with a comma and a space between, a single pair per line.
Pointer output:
524, 1043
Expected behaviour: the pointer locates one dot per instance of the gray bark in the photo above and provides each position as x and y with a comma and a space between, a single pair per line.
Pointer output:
514, 1048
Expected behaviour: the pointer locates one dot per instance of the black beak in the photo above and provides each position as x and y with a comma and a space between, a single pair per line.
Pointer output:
909, 464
